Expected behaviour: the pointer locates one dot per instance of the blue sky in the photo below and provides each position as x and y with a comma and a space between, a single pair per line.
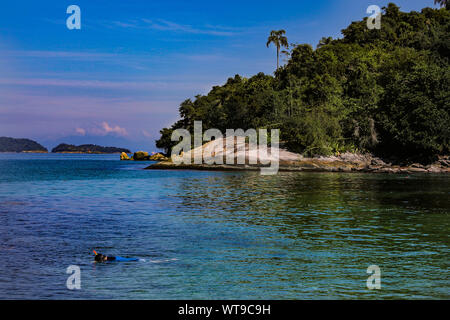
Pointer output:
121, 78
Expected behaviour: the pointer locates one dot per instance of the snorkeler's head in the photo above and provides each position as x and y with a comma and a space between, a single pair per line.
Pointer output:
100, 257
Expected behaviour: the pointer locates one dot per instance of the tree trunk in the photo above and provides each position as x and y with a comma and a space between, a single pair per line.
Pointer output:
278, 56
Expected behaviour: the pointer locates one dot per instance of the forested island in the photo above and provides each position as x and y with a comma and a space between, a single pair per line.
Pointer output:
20, 145
383, 92
8, 144
87, 148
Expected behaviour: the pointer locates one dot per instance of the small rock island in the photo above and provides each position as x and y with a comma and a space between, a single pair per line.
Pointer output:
143, 156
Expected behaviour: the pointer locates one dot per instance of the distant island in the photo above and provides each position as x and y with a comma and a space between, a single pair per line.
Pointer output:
20, 145
87, 148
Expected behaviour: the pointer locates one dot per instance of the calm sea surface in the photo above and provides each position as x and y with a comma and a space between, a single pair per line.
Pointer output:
218, 235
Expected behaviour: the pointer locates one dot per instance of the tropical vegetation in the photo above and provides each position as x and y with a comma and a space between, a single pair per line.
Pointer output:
382, 91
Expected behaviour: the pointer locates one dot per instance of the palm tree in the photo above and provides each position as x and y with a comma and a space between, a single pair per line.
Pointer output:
443, 3
279, 40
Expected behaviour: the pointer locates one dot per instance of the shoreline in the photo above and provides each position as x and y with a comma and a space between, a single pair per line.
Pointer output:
315, 165
75, 152
253, 159
42, 152
24, 152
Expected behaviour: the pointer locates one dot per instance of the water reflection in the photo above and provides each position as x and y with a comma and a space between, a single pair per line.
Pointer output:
336, 223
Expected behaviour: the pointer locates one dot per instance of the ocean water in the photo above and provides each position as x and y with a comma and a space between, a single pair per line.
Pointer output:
218, 235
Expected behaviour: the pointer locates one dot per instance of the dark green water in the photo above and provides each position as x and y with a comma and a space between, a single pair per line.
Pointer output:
218, 235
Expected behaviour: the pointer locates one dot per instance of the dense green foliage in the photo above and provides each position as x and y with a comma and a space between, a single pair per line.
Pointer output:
87, 148
19, 145
384, 91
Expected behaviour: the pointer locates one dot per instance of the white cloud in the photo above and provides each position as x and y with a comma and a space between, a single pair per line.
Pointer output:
81, 131
146, 134
81, 55
165, 25
102, 130
117, 130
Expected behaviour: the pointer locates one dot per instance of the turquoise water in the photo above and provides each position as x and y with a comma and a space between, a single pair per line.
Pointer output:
218, 235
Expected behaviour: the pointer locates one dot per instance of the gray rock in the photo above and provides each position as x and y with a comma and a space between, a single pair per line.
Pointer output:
413, 169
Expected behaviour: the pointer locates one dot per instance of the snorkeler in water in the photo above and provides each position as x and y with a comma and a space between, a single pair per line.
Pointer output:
103, 258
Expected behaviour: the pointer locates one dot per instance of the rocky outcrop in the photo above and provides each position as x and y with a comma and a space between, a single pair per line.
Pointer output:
141, 156
144, 156
158, 157
124, 156
308, 165
288, 161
